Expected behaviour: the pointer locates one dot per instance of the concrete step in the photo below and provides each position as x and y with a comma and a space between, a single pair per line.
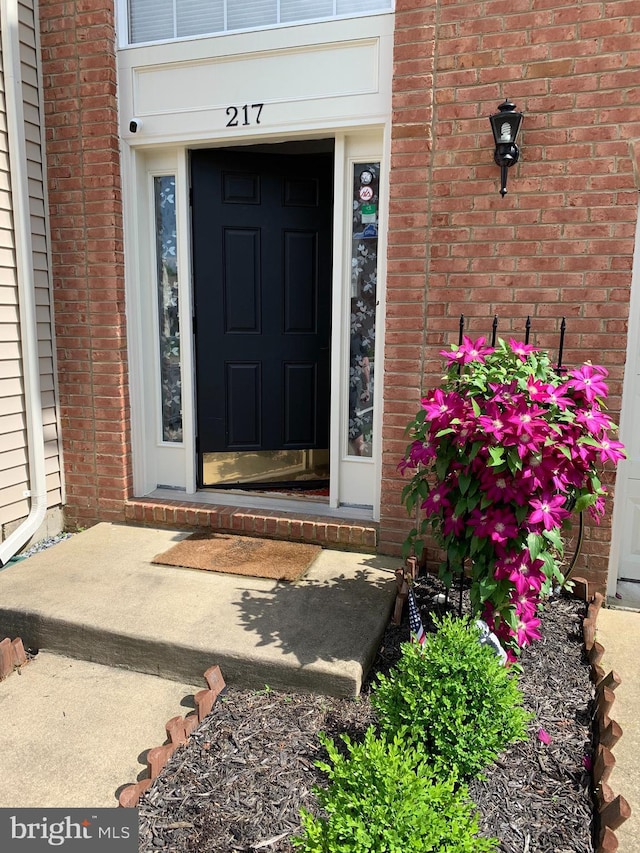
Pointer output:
97, 597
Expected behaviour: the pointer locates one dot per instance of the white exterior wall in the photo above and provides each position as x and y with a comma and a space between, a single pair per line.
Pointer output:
14, 467
624, 560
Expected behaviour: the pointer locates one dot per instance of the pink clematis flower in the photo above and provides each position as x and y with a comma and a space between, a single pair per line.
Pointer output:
453, 524
421, 453
436, 500
589, 380
497, 523
527, 630
595, 420
527, 419
500, 487
529, 444
540, 471
493, 421
526, 575
520, 349
611, 450
536, 389
556, 396
596, 510
525, 602
468, 351
505, 564
544, 737
440, 406
548, 511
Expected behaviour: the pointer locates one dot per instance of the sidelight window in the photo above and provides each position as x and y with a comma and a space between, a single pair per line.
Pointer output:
364, 273
168, 308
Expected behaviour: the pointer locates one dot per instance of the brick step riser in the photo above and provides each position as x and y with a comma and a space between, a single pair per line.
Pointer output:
328, 532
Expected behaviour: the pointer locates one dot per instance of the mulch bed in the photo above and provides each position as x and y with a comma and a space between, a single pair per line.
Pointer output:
239, 783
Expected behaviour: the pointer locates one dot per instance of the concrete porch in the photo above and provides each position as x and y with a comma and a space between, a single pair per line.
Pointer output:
97, 597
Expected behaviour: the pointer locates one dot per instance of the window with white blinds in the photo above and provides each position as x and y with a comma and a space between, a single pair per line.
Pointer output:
159, 20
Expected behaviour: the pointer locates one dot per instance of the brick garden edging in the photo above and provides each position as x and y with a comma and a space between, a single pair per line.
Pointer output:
12, 656
612, 810
178, 731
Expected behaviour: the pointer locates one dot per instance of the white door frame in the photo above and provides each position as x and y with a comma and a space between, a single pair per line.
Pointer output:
160, 464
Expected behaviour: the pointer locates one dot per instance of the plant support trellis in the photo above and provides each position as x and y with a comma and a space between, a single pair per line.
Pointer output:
560, 369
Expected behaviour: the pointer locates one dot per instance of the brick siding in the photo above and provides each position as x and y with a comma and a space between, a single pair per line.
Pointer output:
560, 242
79, 76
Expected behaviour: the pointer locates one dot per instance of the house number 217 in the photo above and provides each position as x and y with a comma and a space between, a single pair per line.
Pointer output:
245, 115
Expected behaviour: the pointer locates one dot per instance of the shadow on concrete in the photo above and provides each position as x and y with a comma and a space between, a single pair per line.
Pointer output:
330, 619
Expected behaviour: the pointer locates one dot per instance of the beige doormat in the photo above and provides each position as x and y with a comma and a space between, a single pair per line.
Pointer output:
241, 555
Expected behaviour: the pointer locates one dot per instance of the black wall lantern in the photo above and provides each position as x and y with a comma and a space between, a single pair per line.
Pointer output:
505, 125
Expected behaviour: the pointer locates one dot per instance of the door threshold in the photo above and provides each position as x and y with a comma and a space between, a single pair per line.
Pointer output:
273, 494
281, 503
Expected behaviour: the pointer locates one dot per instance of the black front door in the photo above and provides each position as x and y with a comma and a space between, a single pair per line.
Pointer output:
262, 227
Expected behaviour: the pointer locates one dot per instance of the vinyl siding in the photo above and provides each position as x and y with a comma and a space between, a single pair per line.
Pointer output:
14, 463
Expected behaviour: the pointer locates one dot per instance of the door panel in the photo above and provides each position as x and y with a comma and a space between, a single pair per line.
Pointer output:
243, 403
241, 281
300, 282
300, 407
262, 229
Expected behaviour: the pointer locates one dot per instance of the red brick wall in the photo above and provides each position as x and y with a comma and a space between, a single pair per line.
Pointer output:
79, 75
560, 242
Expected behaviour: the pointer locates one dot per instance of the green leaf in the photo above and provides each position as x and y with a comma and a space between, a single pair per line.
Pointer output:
472, 502
422, 489
475, 447
497, 456
464, 481
554, 537
487, 587
586, 439
513, 460
442, 466
521, 513
585, 501
460, 507
535, 544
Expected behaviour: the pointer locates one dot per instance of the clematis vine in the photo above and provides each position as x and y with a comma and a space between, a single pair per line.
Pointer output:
502, 455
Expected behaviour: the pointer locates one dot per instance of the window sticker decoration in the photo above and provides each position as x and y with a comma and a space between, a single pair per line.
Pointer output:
364, 272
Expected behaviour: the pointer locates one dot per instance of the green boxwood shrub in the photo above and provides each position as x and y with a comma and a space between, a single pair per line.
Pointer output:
384, 798
453, 699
